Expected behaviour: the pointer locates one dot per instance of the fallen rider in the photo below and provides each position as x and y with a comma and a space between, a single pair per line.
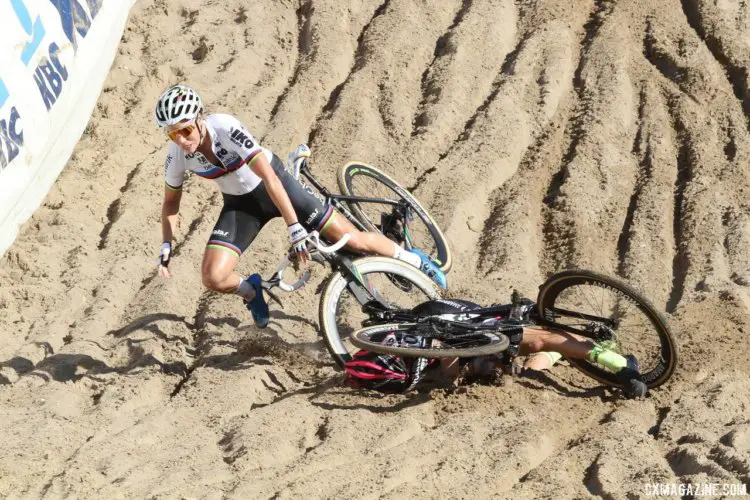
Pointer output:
543, 348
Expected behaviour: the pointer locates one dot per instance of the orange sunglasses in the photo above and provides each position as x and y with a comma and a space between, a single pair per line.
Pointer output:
184, 132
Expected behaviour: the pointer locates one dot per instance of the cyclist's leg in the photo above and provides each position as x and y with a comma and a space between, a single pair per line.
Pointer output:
572, 346
217, 269
569, 345
542, 360
240, 221
360, 241
378, 244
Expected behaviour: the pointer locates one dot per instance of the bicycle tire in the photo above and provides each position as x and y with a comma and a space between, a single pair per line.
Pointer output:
334, 289
558, 283
348, 172
489, 343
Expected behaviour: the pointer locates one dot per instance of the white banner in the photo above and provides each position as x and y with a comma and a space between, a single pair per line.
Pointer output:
54, 58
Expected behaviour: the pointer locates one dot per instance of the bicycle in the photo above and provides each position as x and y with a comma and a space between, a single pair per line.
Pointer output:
589, 304
378, 282
370, 283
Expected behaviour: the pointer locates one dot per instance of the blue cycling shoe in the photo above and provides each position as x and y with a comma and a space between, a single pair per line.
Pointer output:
258, 306
431, 269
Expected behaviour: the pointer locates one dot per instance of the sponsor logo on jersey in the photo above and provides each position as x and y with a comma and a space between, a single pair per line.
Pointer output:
219, 232
312, 191
312, 217
198, 156
240, 137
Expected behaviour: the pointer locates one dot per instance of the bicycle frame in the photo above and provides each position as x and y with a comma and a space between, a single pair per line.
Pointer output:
520, 313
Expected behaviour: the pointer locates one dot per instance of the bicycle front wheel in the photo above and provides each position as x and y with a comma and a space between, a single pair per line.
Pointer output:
422, 232
592, 303
464, 346
340, 310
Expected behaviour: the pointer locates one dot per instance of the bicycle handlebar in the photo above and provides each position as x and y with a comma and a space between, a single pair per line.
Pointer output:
314, 238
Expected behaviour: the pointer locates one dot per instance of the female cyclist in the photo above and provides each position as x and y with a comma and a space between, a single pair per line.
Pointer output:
256, 188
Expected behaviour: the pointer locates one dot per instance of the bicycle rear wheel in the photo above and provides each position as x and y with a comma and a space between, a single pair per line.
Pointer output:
465, 346
594, 304
359, 179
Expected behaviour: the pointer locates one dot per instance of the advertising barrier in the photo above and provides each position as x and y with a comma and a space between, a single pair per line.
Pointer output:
54, 58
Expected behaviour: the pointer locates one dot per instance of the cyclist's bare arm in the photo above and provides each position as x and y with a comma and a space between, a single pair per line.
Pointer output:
169, 209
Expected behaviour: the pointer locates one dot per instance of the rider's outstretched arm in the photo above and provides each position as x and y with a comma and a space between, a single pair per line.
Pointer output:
169, 210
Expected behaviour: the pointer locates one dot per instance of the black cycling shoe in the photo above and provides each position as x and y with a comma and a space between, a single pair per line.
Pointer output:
630, 377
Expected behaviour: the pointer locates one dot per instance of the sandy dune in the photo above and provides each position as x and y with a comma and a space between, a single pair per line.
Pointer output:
611, 135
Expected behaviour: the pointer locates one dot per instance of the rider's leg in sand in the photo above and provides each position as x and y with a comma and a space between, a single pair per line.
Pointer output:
376, 243
543, 360
576, 347
549, 345
569, 345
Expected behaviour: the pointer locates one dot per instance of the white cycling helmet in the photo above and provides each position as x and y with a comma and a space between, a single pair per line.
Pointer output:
176, 104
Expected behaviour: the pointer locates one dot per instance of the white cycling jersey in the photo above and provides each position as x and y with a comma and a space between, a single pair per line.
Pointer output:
235, 148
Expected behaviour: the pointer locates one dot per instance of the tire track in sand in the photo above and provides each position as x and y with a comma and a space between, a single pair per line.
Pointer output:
430, 85
305, 49
736, 73
360, 59
681, 263
559, 235
646, 227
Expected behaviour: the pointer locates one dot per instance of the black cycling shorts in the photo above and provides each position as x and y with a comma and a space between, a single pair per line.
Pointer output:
243, 216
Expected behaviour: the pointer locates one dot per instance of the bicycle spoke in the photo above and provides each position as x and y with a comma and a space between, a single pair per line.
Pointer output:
585, 296
644, 325
625, 316
417, 232
631, 337
641, 341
